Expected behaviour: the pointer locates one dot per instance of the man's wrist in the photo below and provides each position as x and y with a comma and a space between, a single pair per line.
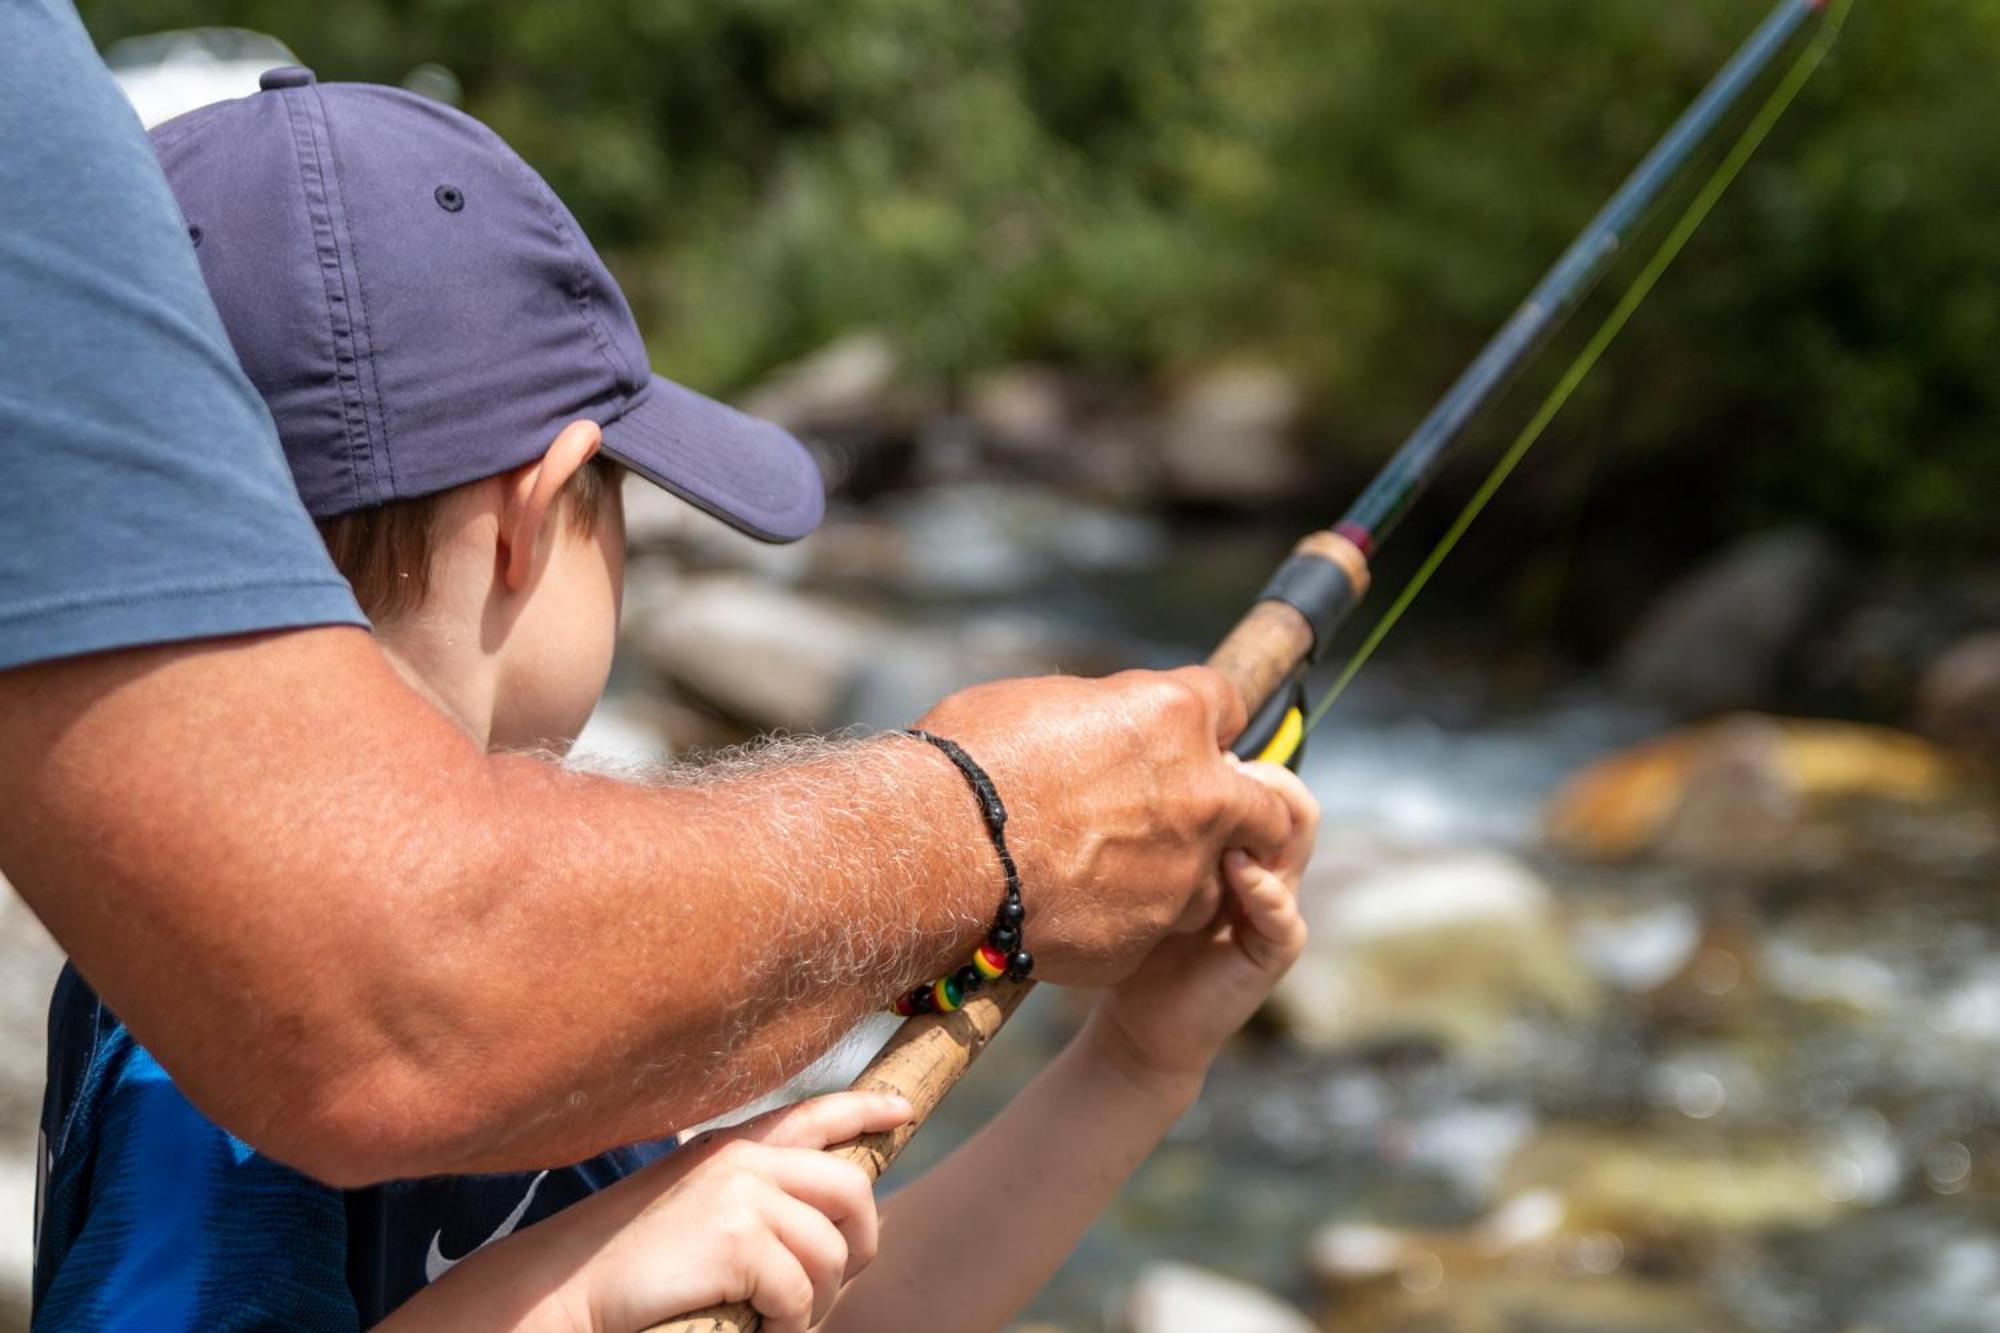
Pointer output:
953, 821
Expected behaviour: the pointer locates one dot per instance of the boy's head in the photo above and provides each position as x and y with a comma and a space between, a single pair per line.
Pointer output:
445, 355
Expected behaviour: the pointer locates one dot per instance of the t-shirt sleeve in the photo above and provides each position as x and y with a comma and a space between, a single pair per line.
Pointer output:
143, 494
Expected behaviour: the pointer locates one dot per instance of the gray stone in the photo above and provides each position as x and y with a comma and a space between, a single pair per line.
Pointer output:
1722, 638
846, 385
764, 655
1227, 438
772, 658
1958, 701
1023, 410
1179, 1298
1446, 946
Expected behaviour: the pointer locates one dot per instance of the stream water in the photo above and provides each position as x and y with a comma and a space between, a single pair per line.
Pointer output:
1772, 1102
1822, 1152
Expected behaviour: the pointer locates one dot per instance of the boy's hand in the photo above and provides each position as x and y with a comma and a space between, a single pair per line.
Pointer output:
1167, 1021
758, 1213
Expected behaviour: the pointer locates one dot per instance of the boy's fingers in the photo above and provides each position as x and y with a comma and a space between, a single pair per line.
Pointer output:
1262, 893
1271, 929
781, 1290
1291, 788
823, 1121
839, 1190
817, 1245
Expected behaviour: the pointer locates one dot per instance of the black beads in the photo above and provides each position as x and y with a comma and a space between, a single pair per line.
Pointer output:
1001, 955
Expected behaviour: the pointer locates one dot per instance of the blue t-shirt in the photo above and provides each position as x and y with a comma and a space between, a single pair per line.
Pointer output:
143, 495
154, 1218
144, 499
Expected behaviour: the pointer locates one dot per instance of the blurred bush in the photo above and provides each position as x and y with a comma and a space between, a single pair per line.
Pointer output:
1356, 190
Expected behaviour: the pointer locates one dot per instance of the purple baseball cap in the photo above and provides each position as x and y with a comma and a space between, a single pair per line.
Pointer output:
420, 311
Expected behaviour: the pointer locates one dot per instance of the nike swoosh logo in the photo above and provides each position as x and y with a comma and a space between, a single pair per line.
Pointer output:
436, 1265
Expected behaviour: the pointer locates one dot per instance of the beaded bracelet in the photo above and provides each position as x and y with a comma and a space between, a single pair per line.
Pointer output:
1001, 954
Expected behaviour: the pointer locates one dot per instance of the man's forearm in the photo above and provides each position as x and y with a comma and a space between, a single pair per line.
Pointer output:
372, 950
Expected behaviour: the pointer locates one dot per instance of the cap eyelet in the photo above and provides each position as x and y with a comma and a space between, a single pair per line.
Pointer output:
450, 198
194, 236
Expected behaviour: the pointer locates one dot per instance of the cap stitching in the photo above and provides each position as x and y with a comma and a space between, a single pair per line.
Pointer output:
599, 336
339, 320
366, 329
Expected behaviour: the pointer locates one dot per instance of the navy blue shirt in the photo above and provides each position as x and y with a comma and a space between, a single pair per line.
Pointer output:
143, 495
154, 1218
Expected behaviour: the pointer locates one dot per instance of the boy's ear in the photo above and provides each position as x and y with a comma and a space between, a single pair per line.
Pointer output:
532, 489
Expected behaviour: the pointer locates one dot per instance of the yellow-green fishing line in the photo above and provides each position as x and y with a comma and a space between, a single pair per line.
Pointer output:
1697, 211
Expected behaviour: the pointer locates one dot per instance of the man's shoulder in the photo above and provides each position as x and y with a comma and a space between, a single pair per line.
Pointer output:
144, 496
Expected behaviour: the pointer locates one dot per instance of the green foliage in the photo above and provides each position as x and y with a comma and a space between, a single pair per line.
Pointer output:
1357, 189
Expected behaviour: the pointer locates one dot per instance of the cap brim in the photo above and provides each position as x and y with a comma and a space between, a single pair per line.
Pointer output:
748, 473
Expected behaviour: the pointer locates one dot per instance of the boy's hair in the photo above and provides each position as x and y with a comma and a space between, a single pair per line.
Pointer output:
385, 551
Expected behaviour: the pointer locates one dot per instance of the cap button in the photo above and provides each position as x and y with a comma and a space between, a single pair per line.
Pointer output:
285, 76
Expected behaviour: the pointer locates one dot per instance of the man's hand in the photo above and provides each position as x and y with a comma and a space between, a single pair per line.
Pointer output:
1121, 801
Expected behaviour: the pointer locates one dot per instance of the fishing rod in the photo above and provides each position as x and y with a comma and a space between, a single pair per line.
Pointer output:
1288, 629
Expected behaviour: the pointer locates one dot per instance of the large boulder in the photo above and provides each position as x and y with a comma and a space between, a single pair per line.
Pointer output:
1179, 1298
1526, 1264
849, 384
850, 402
1724, 637
1658, 1188
772, 658
1022, 411
1599, 1229
1749, 790
1958, 701
1228, 437
765, 656
1444, 947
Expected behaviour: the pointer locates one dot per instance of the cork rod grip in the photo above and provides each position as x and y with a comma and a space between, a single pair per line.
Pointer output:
931, 1052
922, 1061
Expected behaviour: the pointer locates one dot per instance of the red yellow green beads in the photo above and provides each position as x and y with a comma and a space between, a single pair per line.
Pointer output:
990, 962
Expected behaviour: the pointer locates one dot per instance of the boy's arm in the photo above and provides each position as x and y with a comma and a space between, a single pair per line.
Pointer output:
372, 950
982, 1231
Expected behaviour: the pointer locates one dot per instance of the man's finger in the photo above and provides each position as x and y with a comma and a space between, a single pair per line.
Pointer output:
1254, 816
1298, 799
1225, 706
